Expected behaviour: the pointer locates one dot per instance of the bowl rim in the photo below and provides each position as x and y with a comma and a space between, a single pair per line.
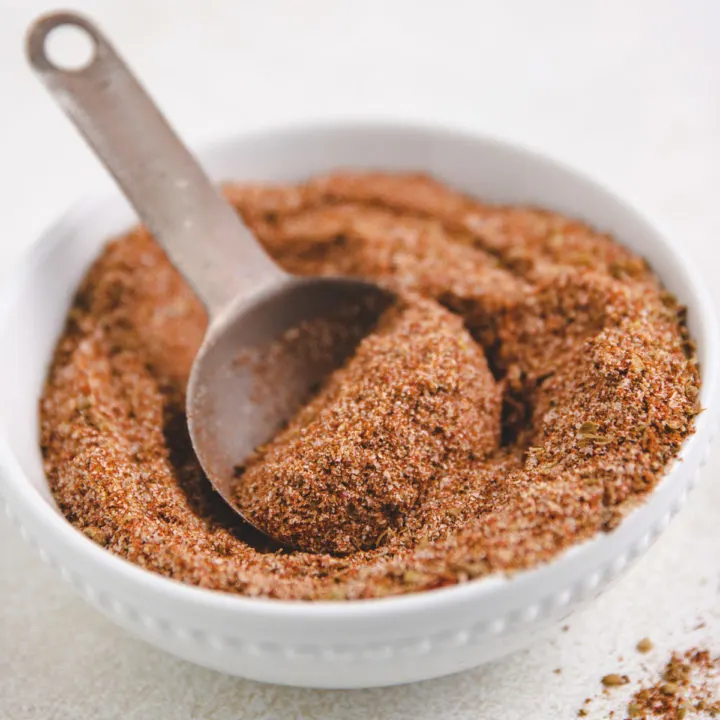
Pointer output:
11, 472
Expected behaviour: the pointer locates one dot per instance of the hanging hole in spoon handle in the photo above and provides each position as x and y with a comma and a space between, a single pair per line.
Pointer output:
201, 233
41, 40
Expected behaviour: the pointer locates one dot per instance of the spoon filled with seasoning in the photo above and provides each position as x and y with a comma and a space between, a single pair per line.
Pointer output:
272, 337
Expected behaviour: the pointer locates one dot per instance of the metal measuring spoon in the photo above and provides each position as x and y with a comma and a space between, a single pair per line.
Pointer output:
250, 301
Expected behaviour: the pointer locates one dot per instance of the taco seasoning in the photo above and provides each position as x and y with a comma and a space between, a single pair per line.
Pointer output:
529, 387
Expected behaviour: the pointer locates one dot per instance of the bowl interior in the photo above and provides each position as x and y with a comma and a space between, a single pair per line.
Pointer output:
33, 309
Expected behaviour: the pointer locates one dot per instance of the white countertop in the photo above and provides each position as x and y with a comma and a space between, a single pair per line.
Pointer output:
627, 91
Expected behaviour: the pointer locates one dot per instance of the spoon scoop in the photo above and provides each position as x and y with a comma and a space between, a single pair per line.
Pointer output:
242, 390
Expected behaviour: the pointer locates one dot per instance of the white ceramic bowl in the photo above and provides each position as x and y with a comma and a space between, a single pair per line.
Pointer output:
352, 644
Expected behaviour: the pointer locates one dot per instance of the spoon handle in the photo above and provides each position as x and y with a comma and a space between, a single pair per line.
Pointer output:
200, 232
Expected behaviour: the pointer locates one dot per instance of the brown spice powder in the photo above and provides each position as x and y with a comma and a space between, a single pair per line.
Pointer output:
415, 406
591, 357
689, 686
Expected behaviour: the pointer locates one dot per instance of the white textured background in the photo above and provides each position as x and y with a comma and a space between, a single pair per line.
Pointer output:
628, 90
